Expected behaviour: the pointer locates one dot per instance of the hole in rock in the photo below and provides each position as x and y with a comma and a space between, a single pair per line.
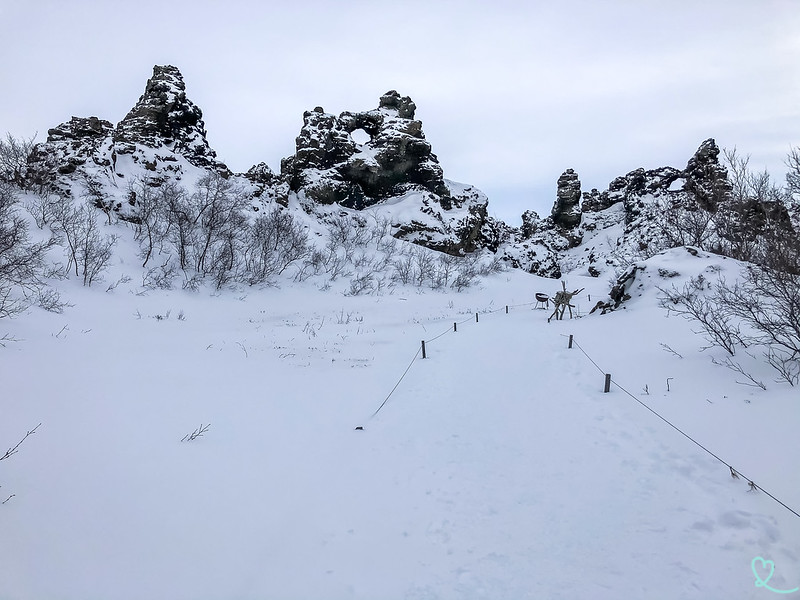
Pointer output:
360, 136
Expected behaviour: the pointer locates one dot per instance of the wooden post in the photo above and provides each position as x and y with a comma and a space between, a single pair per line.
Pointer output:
455, 327
570, 341
506, 308
476, 317
608, 383
423, 349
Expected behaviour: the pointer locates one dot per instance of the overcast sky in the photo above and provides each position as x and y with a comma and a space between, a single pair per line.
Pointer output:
510, 93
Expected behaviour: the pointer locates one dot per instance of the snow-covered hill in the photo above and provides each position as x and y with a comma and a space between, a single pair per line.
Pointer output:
497, 468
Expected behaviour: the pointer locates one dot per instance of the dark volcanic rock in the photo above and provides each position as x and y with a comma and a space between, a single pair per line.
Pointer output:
566, 210
330, 167
706, 178
595, 201
81, 130
402, 104
68, 149
164, 116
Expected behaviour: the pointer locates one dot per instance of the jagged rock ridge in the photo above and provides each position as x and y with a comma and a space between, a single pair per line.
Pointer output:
163, 138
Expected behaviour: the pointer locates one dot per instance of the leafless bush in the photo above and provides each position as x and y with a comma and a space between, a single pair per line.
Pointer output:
94, 195
192, 281
23, 267
335, 263
768, 301
216, 209
752, 214
380, 229
152, 214
14, 154
275, 242
404, 269
737, 368
362, 284
692, 302
88, 251
785, 363
495, 265
40, 208
112, 286
424, 265
160, 276
793, 173
760, 309
463, 280
683, 225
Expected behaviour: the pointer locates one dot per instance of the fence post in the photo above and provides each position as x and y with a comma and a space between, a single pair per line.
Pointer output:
423, 349
476, 317
608, 383
570, 341
455, 327
506, 308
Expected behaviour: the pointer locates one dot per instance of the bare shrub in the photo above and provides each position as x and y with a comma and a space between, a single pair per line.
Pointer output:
684, 225
692, 302
274, 242
161, 276
152, 214
403, 269
445, 270
23, 267
40, 207
14, 154
362, 284
495, 265
88, 251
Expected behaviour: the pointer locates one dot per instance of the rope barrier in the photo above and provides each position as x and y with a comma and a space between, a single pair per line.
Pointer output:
734, 472
397, 384
587, 356
416, 356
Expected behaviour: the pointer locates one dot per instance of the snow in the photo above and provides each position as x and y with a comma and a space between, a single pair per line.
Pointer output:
498, 468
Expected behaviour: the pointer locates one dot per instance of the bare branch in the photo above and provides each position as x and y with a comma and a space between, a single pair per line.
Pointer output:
190, 437
15, 449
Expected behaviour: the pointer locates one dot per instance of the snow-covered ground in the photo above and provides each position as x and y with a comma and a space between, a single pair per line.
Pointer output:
497, 469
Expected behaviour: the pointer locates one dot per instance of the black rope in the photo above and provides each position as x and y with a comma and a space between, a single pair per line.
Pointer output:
420, 350
690, 438
438, 336
397, 384
586, 355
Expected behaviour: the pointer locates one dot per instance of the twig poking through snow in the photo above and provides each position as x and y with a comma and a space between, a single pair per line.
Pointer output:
738, 369
243, 349
7, 338
190, 437
15, 449
670, 350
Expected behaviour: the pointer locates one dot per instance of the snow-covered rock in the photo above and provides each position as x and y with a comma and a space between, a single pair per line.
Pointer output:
164, 118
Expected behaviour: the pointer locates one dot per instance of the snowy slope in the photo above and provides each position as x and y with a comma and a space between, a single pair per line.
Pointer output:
497, 469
